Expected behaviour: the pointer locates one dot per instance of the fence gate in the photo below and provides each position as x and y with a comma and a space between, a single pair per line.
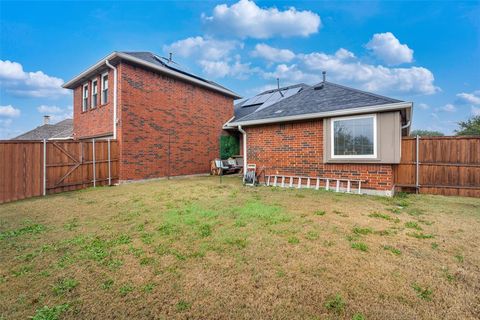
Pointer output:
33, 168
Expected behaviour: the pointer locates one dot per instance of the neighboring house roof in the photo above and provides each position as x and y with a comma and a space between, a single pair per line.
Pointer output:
325, 98
151, 61
61, 130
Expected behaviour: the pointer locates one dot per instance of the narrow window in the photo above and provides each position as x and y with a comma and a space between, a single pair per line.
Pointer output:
105, 88
354, 137
94, 93
85, 98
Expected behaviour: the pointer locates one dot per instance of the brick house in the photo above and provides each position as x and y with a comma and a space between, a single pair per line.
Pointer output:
326, 130
168, 122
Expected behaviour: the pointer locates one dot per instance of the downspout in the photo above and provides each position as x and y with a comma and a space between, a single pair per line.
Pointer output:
407, 125
114, 98
244, 149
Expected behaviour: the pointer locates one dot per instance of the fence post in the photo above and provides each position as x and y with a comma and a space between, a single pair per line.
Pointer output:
94, 171
417, 166
44, 167
109, 168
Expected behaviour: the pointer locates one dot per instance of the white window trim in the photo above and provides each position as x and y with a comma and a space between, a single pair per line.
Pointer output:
101, 89
85, 107
94, 80
353, 156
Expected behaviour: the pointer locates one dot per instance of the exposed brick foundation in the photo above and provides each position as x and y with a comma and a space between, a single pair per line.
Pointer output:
297, 149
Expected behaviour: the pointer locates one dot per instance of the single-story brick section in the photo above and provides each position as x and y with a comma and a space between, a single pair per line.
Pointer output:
168, 122
325, 130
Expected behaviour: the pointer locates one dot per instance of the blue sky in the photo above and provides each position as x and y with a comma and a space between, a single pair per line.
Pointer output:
425, 52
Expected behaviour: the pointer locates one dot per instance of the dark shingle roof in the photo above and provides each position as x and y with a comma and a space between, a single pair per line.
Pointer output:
323, 97
151, 61
60, 130
153, 58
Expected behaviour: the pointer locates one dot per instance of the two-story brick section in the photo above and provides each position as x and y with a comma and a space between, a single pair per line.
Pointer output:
167, 122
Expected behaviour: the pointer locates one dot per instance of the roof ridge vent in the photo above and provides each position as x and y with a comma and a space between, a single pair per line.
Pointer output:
319, 87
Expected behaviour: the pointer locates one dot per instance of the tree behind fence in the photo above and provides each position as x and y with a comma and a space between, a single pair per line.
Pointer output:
70, 165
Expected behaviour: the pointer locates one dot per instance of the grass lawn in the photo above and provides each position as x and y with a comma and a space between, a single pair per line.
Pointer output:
194, 248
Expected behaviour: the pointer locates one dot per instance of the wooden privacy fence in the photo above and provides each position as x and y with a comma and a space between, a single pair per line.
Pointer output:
34, 168
440, 165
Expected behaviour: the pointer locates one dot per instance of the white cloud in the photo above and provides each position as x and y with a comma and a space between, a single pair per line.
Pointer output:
291, 75
471, 98
9, 111
423, 106
203, 48
475, 111
387, 48
448, 108
220, 69
246, 19
49, 109
29, 84
272, 54
344, 67
217, 69
56, 113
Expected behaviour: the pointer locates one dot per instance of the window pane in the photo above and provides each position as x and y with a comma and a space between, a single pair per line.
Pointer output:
105, 96
353, 137
105, 82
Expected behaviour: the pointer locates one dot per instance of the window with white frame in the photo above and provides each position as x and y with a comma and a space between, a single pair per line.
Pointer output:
85, 97
105, 88
94, 93
354, 137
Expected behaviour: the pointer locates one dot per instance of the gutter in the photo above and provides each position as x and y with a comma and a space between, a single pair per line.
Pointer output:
114, 97
244, 133
71, 84
327, 114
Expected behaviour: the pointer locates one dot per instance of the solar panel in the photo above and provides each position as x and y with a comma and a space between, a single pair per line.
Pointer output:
257, 100
270, 98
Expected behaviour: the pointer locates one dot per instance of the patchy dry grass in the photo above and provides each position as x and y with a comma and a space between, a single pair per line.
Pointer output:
194, 248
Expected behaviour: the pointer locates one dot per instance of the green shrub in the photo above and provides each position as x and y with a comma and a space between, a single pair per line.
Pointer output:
229, 146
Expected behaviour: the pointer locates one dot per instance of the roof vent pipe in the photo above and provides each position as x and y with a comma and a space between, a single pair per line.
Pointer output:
278, 87
46, 119
170, 57
324, 73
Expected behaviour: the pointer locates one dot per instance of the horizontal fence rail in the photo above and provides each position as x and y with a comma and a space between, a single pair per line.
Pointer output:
440, 165
35, 168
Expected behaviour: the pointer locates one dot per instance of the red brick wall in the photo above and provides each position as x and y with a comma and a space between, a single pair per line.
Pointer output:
97, 121
297, 149
159, 114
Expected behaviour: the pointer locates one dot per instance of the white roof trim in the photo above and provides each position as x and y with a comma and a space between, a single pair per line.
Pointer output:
128, 57
327, 114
